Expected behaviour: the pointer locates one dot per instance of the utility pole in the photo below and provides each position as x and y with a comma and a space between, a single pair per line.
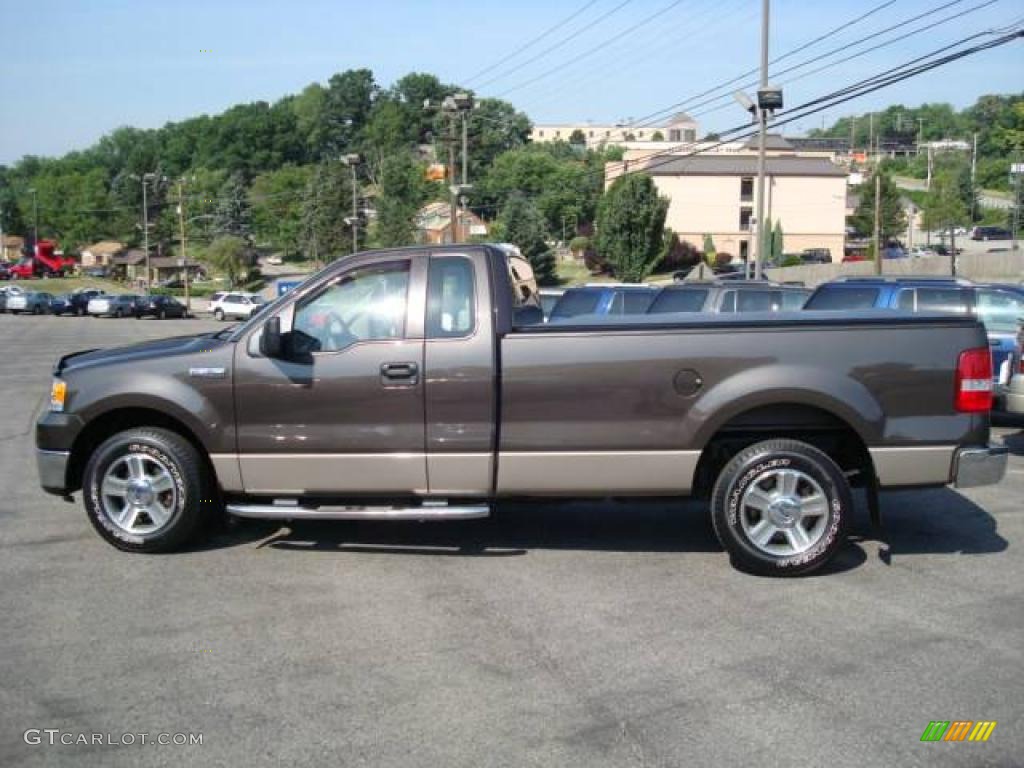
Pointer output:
974, 173
871, 135
762, 119
145, 226
353, 161
878, 216
35, 217
184, 255
454, 195
853, 136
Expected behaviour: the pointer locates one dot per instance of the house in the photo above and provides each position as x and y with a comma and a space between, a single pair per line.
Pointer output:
10, 248
433, 223
170, 267
680, 128
100, 254
716, 194
130, 265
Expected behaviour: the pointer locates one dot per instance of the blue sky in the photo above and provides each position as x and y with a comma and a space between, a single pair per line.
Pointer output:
72, 71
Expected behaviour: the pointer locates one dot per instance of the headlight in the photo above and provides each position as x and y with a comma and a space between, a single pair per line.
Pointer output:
58, 391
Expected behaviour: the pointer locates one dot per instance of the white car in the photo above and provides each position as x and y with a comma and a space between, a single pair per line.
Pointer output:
237, 305
918, 252
275, 261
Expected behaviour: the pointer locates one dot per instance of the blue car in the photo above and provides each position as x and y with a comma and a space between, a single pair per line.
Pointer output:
608, 299
998, 307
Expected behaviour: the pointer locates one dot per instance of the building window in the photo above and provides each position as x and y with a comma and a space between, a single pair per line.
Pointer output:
689, 135
591, 134
744, 250
745, 217
674, 134
641, 134
557, 134
747, 189
607, 133
541, 134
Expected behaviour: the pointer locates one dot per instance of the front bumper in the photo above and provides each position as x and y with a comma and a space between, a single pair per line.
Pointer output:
53, 470
979, 465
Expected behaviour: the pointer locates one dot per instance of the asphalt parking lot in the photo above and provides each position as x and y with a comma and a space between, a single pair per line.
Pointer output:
574, 634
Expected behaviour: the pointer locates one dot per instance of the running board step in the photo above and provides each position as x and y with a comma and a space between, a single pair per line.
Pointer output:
429, 511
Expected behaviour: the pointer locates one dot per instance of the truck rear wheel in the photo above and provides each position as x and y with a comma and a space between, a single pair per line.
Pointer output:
147, 490
779, 507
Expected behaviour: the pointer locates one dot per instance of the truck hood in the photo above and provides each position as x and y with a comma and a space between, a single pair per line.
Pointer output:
148, 350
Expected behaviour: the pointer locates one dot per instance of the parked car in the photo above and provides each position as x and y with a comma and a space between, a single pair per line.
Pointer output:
943, 250
1013, 391
5, 271
7, 291
548, 298
60, 305
160, 307
600, 299
420, 398
96, 272
31, 302
991, 233
235, 305
894, 251
275, 260
921, 252
79, 300
996, 307
816, 256
728, 297
114, 305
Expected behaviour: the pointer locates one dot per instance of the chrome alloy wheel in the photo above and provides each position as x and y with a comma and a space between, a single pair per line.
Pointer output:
138, 494
784, 512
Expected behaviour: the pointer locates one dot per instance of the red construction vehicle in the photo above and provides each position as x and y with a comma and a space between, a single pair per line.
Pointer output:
44, 263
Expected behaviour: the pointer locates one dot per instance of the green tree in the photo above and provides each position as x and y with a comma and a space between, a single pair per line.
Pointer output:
326, 204
631, 226
233, 214
522, 224
402, 190
227, 254
657, 136
892, 219
943, 205
578, 138
276, 198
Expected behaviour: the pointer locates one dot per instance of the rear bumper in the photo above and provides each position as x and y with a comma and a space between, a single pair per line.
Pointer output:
53, 470
979, 465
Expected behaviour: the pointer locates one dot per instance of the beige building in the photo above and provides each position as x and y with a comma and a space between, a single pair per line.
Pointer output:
10, 247
100, 254
681, 128
715, 194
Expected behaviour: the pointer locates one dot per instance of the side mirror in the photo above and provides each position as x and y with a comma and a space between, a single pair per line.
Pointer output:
270, 340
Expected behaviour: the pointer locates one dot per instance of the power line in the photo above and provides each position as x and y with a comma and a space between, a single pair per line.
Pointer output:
598, 47
555, 46
531, 43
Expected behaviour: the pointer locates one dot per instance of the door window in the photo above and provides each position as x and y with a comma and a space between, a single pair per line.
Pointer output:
793, 300
362, 305
754, 301
451, 306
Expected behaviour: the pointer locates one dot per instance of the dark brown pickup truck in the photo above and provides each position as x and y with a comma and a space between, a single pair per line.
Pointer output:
423, 384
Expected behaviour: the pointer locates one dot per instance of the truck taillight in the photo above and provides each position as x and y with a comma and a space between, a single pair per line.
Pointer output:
974, 381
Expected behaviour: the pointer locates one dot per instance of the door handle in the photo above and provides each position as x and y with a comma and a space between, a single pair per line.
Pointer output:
404, 373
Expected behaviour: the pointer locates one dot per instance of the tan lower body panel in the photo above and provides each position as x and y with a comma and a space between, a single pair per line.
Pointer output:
596, 472
459, 474
333, 473
229, 475
913, 465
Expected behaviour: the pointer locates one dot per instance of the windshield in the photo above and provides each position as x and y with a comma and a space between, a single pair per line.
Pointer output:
679, 300
843, 297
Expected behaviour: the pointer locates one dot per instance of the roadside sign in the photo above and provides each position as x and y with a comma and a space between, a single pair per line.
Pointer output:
283, 286
1017, 168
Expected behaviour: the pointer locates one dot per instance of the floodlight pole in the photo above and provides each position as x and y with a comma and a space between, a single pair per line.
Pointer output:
761, 142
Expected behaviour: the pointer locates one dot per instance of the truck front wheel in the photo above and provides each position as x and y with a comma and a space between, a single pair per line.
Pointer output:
146, 490
780, 508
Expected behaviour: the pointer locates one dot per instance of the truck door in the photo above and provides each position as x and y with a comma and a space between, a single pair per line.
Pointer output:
343, 411
460, 375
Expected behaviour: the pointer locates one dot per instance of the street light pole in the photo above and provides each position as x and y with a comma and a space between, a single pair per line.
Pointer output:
184, 253
352, 161
761, 141
35, 216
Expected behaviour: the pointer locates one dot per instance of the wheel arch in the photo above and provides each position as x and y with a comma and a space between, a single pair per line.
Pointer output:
109, 423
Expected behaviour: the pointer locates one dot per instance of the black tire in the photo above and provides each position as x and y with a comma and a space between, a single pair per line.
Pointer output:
194, 494
118, 313
731, 516
163, 314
